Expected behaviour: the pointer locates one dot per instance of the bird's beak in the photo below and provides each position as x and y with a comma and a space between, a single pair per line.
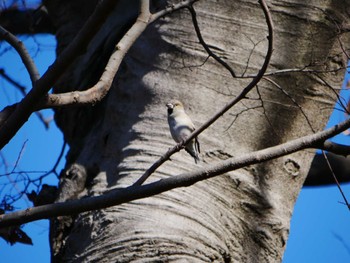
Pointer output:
169, 105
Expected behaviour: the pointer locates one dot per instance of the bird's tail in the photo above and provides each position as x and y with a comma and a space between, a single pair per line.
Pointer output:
194, 155
194, 150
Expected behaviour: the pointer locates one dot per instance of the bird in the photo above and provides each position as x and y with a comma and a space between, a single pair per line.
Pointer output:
181, 127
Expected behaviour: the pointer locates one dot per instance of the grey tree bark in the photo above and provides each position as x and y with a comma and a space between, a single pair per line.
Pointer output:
241, 216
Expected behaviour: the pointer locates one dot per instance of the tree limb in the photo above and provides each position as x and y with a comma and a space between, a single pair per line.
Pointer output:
319, 173
22, 90
336, 148
134, 192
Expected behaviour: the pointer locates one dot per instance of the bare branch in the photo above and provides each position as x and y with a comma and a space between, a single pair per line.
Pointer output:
205, 45
20, 155
23, 53
27, 179
172, 8
233, 102
336, 180
319, 173
343, 242
273, 128
305, 69
292, 99
342, 48
250, 53
340, 100
235, 116
335, 148
10, 80
101, 88
59, 158
134, 192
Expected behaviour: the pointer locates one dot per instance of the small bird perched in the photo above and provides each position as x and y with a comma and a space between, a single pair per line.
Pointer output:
181, 127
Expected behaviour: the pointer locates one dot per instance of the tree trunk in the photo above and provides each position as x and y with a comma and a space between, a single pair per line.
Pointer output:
241, 216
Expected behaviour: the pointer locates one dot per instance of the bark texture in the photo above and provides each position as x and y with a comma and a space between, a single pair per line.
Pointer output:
242, 216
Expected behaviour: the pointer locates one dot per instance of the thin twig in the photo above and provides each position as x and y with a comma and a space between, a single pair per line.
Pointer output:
14, 83
235, 116
22, 52
343, 242
342, 48
295, 70
273, 128
22, 89
292, 99
19, 155
336, 148
172, 8
336, 180
340, 101
53, 169
205, 45
250, 54
27, 180
59, 157
8, 175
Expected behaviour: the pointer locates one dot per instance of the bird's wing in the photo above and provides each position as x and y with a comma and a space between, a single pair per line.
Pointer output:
196, 145
189, 123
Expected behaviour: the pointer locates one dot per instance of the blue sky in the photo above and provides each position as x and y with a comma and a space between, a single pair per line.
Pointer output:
41, 150
320, 225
